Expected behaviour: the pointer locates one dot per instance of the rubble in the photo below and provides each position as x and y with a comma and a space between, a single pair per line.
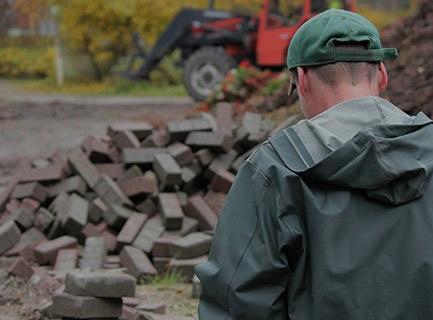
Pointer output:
411, 74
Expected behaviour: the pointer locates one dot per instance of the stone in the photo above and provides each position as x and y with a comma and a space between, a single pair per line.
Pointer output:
170, 210
67, 305
100, 284
136, 262
9, 235
94, 253
191, 246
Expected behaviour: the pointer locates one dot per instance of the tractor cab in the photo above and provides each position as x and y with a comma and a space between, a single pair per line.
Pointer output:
278, 22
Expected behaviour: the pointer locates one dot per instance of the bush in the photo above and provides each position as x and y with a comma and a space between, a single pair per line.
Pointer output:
16, 62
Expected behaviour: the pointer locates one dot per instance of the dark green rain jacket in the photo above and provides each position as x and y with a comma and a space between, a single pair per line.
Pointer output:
331, 219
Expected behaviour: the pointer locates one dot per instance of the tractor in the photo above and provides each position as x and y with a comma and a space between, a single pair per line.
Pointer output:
212, 41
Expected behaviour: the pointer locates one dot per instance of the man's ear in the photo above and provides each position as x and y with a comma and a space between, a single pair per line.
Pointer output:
303, 81
382, 77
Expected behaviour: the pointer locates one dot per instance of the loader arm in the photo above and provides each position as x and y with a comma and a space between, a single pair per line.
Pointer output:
173, 35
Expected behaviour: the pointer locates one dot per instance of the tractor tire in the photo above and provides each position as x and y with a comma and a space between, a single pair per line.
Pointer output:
204, 70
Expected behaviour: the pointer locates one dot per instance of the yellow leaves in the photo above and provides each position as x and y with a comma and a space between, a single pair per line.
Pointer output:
21, 62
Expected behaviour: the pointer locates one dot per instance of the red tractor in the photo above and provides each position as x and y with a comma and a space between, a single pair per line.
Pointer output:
212, 41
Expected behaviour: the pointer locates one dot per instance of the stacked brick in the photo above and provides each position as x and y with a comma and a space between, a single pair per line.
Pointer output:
141, 198
411, 74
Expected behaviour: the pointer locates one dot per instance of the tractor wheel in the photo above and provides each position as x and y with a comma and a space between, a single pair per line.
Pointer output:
204, 70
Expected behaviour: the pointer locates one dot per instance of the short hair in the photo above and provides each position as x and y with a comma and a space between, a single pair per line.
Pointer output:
352, 72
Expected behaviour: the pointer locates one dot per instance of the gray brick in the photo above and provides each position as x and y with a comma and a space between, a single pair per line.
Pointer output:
82, 165
150, 232
116, 216
192, 246
181, 153
143, 157
30, 190
94, 254
138, 188
23, 217
170, 210
66, 259
198, 209
224, 118
125, 139
130, 173
140, 129
96, 210
9, 236
204, 156
167, 170
96, 150
131, 229
136, 262
46, 252
70, 185
100, 284
110, 192
50, 174
179, 130
74, 217
213, 141
43, 219
67, 305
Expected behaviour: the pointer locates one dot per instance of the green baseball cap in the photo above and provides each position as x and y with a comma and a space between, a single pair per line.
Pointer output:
316, 41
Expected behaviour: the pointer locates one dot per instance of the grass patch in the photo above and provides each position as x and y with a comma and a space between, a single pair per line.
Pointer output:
171, 278
109, 87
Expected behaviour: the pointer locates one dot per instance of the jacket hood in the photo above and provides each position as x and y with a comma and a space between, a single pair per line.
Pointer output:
387, 154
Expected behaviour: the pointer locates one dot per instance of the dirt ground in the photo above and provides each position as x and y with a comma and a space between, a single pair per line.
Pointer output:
34, 126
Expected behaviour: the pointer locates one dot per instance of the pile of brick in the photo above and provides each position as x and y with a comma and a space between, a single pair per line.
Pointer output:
141, 198
93, 295
411, 74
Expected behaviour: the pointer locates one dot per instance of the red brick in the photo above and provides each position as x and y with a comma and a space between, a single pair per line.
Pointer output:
171, 211
67, 259
97, 151
30, 190
130, 173
48, 174
159, 138
30, 203
198, 209
82, 165
224, 118
131, 229
222, 181
13, 205
46, 253
216, 201
93, 230
110, 240
21, 269
136, 262
221, 161
113, 170
138, 188
30, 238
162, 246
192, 246
181, 153
125, 139
129, 313
140, 129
